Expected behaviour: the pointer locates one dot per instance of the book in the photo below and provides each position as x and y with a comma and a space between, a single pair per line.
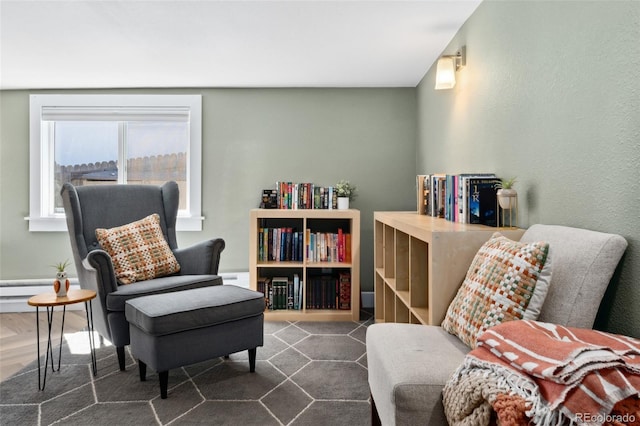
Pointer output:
482, 201
279, 286
269, 199
344, 291
289, 296
463, 196
296, 292
440, 195
264, 287
422, 188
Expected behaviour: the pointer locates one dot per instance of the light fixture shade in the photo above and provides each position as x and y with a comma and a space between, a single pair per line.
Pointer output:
446, 73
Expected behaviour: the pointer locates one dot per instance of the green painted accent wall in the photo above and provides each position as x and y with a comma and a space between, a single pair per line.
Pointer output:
550, 94
251, 139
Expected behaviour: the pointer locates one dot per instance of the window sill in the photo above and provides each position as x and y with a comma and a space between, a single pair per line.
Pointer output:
59, 224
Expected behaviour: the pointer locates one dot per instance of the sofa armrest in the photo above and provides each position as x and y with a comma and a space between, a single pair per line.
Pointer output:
200, 259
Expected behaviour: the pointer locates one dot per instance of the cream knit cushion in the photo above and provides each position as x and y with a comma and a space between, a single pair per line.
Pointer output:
138, 250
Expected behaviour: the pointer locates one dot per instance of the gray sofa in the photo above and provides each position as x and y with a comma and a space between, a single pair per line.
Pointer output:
106, 206
409, 364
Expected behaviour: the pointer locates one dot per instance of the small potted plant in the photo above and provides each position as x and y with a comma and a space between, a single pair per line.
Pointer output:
346, 192
507, 196
61, 283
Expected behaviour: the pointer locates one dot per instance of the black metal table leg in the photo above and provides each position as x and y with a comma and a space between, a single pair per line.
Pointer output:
38, 344
64, 311
42, 378
92, 346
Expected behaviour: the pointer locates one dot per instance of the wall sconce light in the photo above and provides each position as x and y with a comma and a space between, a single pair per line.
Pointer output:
447, 67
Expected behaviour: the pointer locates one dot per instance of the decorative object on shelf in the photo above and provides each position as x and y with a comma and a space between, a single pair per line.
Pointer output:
508, 200
346, 192
269, 199
61, 283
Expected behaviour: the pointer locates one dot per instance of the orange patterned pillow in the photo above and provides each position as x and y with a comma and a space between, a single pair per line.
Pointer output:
499, 287
138, 250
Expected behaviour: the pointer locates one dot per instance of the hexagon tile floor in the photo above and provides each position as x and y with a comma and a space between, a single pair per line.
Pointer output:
307, 373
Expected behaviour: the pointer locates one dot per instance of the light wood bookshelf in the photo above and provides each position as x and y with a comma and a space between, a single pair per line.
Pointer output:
420, 262
314, 220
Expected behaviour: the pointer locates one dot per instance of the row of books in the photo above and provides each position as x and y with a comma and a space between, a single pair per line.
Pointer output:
320, 292
280, 244
281, 292
463, 198
288, 244
290, 195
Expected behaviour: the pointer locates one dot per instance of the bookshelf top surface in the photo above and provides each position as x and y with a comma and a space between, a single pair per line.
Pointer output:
411, 219
306, 213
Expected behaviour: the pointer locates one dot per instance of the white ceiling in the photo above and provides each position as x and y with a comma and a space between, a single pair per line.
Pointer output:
208, 43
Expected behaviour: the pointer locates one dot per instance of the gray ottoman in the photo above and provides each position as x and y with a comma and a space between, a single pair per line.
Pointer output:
175, 329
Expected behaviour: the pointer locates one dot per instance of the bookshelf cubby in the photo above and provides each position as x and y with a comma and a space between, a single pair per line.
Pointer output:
303, 220
420, 262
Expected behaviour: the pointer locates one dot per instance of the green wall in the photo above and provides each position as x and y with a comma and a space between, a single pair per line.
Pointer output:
550, 94
251, 139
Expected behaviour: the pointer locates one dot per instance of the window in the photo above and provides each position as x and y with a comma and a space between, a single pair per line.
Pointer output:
124, 139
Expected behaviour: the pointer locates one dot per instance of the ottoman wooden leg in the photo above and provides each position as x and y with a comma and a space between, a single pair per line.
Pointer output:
164, 382
121, 357
252, 360
142, 369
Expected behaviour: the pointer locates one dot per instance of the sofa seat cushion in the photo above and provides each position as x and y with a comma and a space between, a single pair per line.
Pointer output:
116, 300
409, 365
170, 313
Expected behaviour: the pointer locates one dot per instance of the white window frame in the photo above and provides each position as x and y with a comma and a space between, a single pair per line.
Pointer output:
41, 159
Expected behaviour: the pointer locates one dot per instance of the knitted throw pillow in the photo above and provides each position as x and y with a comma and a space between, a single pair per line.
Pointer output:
499, 286
138, 250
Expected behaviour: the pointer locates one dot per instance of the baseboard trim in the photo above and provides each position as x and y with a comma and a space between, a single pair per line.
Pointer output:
14, 294
368, 298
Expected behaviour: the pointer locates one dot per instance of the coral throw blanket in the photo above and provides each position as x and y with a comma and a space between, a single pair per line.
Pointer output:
534, 372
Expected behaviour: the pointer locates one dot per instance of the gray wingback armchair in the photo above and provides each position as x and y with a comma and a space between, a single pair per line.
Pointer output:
106, 206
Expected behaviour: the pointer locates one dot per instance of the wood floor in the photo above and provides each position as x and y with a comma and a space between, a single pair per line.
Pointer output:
18, 337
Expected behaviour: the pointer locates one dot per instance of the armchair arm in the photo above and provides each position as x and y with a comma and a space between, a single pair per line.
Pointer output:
99, 273
200, 259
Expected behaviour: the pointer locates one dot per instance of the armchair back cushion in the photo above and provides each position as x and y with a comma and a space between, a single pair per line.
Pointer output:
583, 263
108, 206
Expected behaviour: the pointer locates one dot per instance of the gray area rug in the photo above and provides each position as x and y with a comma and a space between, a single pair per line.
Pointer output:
307, 373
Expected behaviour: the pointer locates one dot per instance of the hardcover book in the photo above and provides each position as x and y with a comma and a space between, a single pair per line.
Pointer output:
482, 201
269, 199
344, 292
